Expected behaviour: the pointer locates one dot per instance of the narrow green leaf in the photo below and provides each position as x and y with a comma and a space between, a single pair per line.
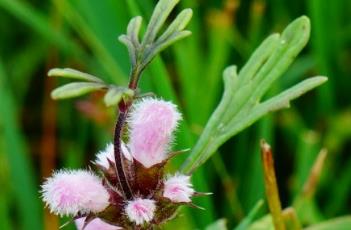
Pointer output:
177, 25
22, 182
157, 48
75, 89
220, 224
291, 42
134, 29
264, 223
340, 223
74, 74
244, 224
278, 102
126, 40
158, 18
38, 22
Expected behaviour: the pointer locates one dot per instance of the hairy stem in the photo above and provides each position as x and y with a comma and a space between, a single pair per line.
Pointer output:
123, 113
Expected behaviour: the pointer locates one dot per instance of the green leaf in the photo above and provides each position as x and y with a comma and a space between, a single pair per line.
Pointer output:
134, 29
22, 175
264, 223
244, 224
74, 74
158, 18
115, 94
177, 25
220, 224
340, 223
275, 103
142, 54
75, 89
157, 48
241, 103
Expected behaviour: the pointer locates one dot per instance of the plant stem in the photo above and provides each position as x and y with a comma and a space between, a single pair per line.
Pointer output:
123, 107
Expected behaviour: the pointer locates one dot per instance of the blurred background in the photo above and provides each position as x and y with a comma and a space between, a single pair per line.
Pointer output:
38, 135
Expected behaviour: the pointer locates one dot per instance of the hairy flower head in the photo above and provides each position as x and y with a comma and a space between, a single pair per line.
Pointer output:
96, 224
68, 192
152, 122
109, 153
178, 188
140, 210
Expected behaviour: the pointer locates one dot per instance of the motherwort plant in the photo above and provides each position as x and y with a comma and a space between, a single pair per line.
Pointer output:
131, 189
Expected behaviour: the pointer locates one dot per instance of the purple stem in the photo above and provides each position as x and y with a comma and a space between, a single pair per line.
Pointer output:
123, 112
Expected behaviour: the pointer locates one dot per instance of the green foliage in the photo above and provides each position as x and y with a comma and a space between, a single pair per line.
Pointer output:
245, 223
112, 97
241, 103
142, 53
74, 74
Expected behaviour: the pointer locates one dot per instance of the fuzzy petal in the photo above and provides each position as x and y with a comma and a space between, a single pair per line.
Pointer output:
108, 153
178, 188
141, 210
152, 123
68, 192
96, 224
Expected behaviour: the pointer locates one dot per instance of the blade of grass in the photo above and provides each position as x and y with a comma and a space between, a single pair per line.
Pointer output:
244, 224
38, 22
105, 58
340, 223
24, 188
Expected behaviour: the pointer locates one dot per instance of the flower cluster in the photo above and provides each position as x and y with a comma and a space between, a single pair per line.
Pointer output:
98, 202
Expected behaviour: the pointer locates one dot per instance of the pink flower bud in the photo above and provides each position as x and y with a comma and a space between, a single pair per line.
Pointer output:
152, 122
70, 192
109, 153
96, 224
178, 188
140, 210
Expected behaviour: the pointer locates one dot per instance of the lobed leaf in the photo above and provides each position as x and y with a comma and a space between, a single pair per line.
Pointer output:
74, 74
177, 25
158, 18
240, 105
75, 89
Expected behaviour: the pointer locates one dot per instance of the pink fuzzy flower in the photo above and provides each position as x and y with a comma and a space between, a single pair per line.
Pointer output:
152, 122
178, 188
70, 192
96, 224
140, 210
109, 153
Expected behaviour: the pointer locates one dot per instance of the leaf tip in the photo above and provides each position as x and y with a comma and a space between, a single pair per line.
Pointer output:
54, 72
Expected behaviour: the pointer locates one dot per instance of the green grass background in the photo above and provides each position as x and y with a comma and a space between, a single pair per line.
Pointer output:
38, 134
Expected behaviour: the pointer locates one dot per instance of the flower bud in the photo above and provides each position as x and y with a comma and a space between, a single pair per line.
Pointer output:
96, 224
70, 192
152, 122
178, 188
140, 210
109, 153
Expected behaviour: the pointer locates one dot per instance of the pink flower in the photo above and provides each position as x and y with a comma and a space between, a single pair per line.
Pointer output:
152, 123
70, 192
109, 153
140, 210
96, 224
178, 188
